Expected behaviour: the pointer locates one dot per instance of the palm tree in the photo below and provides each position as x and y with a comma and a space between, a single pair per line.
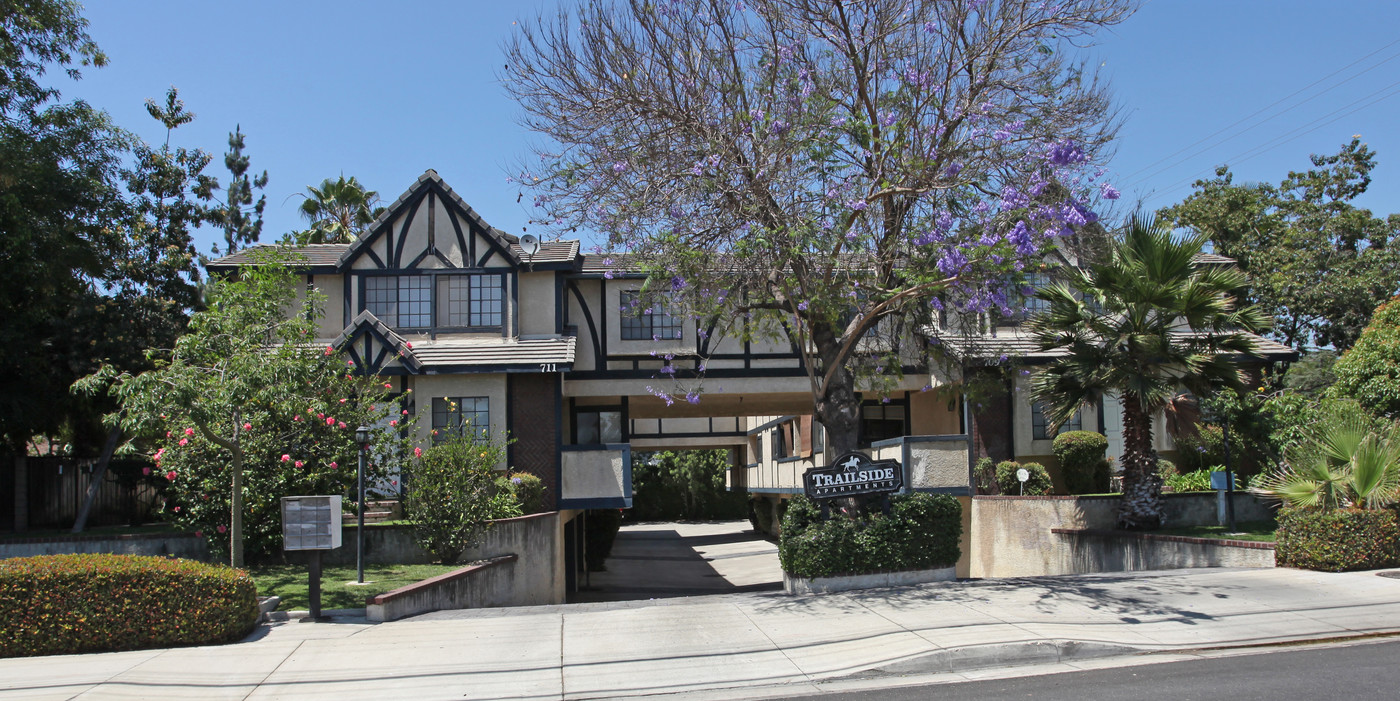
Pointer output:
338, 211
1145, 325
1343, 464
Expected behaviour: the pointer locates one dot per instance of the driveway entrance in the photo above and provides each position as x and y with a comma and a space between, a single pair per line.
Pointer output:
660, 560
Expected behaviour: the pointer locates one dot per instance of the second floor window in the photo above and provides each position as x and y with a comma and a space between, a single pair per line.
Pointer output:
462, 301
647, 321
403, 301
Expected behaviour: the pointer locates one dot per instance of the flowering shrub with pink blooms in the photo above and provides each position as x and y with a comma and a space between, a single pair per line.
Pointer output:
452, 493
224, 413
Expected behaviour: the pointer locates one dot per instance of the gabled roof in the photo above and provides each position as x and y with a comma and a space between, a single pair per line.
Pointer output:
430, 179
550, 252
493, 353
367, 323
1212, 259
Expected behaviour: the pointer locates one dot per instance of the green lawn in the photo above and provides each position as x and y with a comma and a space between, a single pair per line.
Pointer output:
289, 582
1260, 531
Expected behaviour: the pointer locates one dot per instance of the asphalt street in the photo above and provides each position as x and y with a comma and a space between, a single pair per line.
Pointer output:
1352, 671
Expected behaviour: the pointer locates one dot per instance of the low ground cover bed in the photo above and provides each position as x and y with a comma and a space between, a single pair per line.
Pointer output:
289, 582
1256, 531
62, 604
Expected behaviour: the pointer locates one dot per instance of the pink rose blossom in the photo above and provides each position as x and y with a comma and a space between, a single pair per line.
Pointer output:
388, 386
351, 363
170, 475
373, 407
406, 343
184, 441
340, 424
222, 529
395, 483
167, 434
404, 412
247, 427
286, 457
145, 470
176, 509
298, 463
393, 423
189, 432
329, 350
199, 534
417, 452
342, 401
330, 420
297, 417
320, 416
333, 465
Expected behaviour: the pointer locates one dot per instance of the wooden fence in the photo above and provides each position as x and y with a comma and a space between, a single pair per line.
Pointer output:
57, 486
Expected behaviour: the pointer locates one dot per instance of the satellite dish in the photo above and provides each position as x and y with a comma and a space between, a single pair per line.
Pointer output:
530, 244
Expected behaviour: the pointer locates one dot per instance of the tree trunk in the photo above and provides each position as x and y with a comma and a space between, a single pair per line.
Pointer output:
235, 535
1141, 506
99, 473
839, 406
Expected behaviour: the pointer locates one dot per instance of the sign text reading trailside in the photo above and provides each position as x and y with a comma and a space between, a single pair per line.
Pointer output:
853, 474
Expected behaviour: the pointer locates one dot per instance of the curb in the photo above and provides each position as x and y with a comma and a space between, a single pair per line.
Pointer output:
279, 616
973, 657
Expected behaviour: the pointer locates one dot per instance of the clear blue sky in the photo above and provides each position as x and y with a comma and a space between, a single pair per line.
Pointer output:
383, 91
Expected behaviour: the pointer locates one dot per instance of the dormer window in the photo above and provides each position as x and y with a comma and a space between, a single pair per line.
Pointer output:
437, 300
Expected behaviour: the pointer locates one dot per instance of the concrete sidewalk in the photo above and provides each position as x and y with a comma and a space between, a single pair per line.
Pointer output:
755, 644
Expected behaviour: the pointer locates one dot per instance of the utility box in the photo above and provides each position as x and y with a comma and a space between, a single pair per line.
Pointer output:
311, 523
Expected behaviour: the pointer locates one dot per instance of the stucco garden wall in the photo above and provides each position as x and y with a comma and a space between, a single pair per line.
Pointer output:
1012, 536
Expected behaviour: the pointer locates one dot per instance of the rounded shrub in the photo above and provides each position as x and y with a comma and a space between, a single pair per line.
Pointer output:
1038, 485
920, 532
1081, 456
63, 604
984, 473
1338, 540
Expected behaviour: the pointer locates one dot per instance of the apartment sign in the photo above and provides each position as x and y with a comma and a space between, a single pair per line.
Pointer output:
853, 475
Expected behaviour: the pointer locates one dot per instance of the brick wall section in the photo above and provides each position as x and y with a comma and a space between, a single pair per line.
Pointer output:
991, 426
534, 426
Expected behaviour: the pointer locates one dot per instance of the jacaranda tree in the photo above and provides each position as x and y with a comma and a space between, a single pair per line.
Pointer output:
817, 170
246, 409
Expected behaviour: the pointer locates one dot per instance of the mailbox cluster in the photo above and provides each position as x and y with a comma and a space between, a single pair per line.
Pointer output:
311, 523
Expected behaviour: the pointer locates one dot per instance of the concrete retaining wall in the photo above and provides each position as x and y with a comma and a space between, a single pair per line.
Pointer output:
823, 585
1011, 536
482, 585
536, 576
1117, 551
185, 545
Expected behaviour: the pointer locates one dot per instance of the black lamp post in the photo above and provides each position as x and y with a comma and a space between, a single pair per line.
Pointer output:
361, 440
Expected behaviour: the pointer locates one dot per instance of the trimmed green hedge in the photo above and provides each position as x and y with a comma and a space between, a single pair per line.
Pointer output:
921, 532
1039, 483
1081, 457
61, 604
1337, 541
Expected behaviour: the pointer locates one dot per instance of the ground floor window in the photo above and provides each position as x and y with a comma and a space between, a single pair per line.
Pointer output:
1040, 427
880, 422
598, 427
456, 416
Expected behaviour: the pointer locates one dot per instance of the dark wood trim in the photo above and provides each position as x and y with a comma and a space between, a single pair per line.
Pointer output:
600, 361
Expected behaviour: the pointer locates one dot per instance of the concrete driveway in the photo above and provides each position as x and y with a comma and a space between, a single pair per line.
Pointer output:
662, 560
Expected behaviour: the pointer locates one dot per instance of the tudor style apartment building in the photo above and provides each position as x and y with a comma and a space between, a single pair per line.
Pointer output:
534, 345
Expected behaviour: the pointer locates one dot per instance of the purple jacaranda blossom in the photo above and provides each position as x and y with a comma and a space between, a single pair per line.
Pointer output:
952, 170
802, 306
1066, 153
693, 397
888, 119
1109, 192
857, 205
619, 166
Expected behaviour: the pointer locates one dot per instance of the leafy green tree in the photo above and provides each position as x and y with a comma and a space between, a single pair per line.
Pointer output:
338, 211
1317, 263
846, 162
452, 493
170, 195
240, 218
60, 196
245, 411
1370, 372
1144, 325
